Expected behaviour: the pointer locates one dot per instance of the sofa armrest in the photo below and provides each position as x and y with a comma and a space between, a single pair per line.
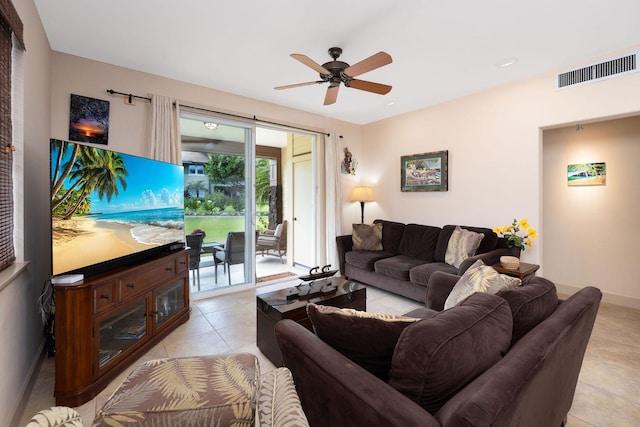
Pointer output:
344, 244
438, 289
489, 258
335, 391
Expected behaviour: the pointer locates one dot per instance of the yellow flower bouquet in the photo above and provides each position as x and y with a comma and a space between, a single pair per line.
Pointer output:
510, 232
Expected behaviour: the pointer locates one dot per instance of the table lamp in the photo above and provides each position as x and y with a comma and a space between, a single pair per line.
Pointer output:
362, 195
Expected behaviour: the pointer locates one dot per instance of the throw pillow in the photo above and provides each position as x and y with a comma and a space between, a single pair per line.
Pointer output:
479, 278
435, 358
462, 245
367, 237
530, 304
367, 339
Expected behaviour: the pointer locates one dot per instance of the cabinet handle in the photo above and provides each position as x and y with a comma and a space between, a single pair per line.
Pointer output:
131, 285
105, 296
169, 269
154, 313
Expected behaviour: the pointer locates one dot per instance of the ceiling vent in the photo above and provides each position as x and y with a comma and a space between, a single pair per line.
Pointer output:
596, 72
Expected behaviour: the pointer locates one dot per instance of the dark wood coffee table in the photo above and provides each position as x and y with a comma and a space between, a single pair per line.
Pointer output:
275, 306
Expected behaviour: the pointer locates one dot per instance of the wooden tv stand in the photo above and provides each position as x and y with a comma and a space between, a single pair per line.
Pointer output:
108, 321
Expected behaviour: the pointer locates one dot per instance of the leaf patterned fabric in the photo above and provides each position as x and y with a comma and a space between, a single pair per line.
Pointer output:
479, 278
191, 391
278, 403
57, 416
462, 245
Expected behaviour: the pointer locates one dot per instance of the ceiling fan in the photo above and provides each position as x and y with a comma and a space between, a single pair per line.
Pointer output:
336, 72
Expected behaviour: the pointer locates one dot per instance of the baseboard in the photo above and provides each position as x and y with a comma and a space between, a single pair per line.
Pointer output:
27, 386
606, 297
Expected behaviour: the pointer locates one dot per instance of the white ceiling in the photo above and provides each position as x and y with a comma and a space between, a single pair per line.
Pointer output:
441, 50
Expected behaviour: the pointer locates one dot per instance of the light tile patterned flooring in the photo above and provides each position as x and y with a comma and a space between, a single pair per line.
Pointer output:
608, 392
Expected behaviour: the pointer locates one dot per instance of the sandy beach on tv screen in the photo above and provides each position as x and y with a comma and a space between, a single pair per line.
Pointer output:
79, 242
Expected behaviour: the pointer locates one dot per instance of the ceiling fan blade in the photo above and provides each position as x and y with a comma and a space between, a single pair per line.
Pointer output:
378, 88
371, 63
310, 63
299, 84
332, 95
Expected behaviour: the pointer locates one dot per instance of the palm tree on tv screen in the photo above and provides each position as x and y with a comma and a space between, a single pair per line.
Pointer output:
90, 169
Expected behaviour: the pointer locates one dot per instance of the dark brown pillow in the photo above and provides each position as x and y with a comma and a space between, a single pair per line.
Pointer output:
368, 339
530, 304
367, 237
435, 358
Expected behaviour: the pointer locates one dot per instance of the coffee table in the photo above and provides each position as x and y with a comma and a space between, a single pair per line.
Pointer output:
284, 304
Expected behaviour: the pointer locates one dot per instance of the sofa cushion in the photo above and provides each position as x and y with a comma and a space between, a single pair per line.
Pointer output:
421, 273
419, 241
186, 391
368, 339
397, 266
365, 260
487, 244
530, 304
367, 237
437, 357
462, 245
479, 278
391, 234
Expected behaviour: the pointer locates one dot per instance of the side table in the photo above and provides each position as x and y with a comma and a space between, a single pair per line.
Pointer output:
524, 272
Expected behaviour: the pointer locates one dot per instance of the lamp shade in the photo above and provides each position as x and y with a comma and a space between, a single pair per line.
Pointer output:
362, 194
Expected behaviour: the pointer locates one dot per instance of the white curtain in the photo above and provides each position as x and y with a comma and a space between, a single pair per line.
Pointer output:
164, 135
333, 203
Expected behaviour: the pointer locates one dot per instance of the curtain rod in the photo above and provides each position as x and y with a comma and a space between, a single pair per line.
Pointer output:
113, 92
254, 118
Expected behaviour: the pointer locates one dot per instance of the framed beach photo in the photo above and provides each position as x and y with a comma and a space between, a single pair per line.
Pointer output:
89, 120
582, 174
424, 172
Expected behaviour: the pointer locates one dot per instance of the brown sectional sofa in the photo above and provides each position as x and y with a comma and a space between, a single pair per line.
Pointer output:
531, 382
410, 254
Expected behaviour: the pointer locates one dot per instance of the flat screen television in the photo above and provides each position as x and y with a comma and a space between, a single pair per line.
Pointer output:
111, 209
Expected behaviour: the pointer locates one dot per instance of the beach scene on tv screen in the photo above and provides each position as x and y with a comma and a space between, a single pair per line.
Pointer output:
107, 205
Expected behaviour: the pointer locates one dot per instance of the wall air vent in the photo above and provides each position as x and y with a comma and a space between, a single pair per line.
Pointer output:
604, 70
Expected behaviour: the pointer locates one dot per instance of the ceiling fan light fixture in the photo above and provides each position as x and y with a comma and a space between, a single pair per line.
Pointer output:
211, 125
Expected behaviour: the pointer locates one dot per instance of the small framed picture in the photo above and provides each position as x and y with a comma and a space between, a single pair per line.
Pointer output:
89, 120
424, 172
586, 174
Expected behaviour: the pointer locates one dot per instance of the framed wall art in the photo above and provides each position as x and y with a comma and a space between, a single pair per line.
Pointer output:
89, 120
424, 172
586, 174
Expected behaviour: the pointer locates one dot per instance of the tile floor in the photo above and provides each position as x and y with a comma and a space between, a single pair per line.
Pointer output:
608, 392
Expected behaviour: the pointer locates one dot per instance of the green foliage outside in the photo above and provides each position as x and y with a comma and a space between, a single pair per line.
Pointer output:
217, 213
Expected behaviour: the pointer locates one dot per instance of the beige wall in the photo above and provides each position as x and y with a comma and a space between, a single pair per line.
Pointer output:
494, 139
594, 233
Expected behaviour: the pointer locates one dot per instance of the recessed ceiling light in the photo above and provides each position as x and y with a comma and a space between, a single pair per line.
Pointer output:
506, 62
390, 103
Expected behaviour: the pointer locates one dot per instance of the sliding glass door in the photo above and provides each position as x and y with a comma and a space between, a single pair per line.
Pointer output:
219, 164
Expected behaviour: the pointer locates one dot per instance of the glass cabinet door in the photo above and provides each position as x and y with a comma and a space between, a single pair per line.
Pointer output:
168, 302
121, 331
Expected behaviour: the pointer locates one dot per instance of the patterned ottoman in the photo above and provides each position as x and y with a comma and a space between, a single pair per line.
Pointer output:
189, 391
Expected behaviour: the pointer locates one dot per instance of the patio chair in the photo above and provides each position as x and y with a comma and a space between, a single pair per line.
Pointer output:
273, 242
232, 253
194, 242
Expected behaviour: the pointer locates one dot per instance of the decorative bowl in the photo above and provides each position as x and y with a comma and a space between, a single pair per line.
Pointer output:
510, 262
